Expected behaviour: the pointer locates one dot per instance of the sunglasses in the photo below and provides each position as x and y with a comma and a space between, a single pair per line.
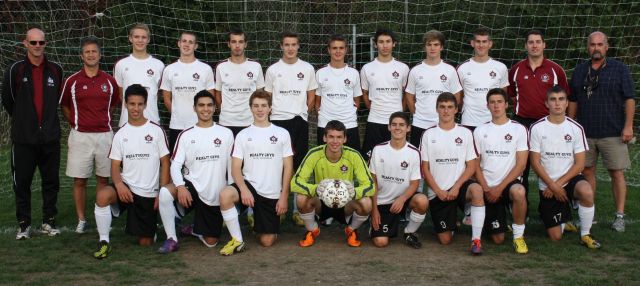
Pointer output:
35, 43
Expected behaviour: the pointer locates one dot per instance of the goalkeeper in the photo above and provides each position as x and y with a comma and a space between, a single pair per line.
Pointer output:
333, 161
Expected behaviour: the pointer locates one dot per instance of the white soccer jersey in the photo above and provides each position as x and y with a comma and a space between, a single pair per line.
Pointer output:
147, 73
262, 151
237, 82
497, 146
140, 149
394, 170
337, 88
477, 79
184, 81
557, 144
427, 82
289, 84
447, 152
385, 83
205, 154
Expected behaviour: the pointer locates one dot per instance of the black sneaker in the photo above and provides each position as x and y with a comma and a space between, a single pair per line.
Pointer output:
411, 239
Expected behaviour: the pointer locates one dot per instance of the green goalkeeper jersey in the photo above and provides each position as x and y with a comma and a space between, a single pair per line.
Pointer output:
315, 167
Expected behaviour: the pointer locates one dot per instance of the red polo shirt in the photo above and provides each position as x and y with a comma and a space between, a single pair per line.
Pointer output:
90, 100
530, 87
38, 97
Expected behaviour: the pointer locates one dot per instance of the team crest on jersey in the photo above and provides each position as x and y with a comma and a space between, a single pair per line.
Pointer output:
395, 75
347, 81
250, 75
508, 137
150, 72
50, 81
458, 141
443, 78
404, 165
300, 76
104, 87
273, 139
492, 74
196, 76
344, 168
84, 87
545, 78
25, 79
526, 77
217, 142
567, 138
148, 138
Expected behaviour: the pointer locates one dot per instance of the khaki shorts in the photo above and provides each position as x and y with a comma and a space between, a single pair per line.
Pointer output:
85, 148
615, 154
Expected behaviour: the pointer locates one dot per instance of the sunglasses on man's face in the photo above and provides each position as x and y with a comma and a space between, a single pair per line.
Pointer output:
35, 43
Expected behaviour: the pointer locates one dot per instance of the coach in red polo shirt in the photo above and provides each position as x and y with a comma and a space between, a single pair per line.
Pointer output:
529, 80
88, 99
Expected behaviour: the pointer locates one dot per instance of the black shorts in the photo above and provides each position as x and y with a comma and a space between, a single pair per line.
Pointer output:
353, 137
553, 212
374, 134
236, 129
328, 212
416, 135
389, 222
267, 220
173, 137
142, 219
298, 129
207, 220
443, 214
495, 220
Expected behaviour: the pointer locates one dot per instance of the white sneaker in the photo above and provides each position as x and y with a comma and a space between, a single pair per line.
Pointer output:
50, 229
81, 225
23, 233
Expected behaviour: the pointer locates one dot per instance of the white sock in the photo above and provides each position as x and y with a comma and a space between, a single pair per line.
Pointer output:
562, 227
518, 230
249, 211
586, 218
167, 213
415, 220
295, 204
103, 221
357, 220
477, 222
230, 217
309, 220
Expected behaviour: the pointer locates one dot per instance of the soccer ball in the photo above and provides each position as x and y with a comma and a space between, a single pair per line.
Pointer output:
335, 193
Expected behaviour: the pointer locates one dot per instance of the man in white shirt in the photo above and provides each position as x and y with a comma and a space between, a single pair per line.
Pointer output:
199, 169
139, 157
181, 81
557, 155
142, 68
261, 166
383, 81
236, 79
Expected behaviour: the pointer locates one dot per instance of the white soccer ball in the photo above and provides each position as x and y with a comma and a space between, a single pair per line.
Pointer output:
335, 193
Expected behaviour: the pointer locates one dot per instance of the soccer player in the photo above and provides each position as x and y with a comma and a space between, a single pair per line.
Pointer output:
339, 92
478, 75
140, 147
199, 170
333, 161
142, 68
30, 92
236, 79
395, 168
427, 80
503, 149
558, 145
383, 81
448, 162
88, 99
181, 81
261, 166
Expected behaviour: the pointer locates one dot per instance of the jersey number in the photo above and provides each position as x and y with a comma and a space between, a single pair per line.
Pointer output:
558, 217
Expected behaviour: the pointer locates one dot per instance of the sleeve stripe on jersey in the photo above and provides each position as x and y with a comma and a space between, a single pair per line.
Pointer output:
531, 128
166, 142
584, 139
297, 175
526, 131
419, 157
366, 169
175, 148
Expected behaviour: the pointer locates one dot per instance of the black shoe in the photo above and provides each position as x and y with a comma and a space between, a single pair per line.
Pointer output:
411, 239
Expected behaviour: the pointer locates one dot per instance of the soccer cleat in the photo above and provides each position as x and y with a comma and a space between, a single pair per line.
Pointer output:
169, 245
520, 246
103, 250
570, 227
476, 247
50, 229
352, 237
81, 226
23, 233
590, 242
250, 220
411, 239
309, 238
233, 246
618, 224
297, 220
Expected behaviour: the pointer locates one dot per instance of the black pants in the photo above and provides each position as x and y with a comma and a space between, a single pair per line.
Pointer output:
353, 137
525, 174
173, 138
24, 160
374, 134
298, 129
416, 136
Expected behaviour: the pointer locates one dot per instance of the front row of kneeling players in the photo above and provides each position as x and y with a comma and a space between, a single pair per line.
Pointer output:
259, 167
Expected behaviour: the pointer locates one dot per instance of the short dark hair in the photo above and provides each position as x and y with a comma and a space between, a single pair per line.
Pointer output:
433, 35
447, 96
335, 125
534, 32
336, 37
201, 94
260, 94
289, 34
498, 91
135, 89
482, 31
400, 114
88, 41
555, 89
236, 31
189, 33
384, 32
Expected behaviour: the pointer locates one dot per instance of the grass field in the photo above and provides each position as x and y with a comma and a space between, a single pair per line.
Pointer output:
67, 259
